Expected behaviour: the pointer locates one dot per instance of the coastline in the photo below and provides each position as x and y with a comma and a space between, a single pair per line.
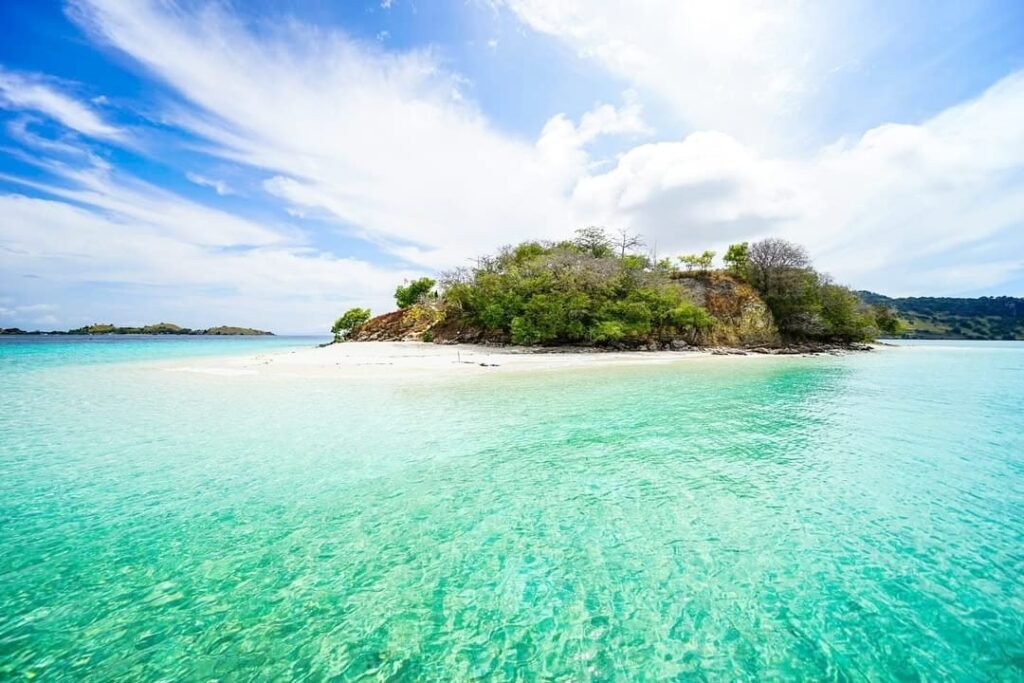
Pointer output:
408, 359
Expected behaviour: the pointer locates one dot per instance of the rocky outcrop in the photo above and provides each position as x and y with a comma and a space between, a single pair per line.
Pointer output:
408, 324
742, 317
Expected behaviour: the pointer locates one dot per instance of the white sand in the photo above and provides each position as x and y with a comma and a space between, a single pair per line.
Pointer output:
405, 359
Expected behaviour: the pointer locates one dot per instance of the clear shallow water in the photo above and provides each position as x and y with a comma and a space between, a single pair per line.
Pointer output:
857, 518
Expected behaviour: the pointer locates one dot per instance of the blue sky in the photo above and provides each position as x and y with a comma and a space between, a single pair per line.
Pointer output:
274, 163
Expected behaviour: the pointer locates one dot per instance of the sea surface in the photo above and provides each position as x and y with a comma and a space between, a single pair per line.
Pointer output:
836, 518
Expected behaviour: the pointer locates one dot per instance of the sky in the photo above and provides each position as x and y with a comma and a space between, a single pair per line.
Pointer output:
271, 163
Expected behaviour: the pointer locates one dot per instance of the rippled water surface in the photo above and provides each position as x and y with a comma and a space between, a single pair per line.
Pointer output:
856, 518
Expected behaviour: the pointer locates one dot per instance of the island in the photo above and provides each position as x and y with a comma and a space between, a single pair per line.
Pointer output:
597, 291
156, 328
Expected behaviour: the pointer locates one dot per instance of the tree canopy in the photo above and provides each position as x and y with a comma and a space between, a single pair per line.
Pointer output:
580, 291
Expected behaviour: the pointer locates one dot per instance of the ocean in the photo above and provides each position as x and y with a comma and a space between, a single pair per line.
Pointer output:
829, 518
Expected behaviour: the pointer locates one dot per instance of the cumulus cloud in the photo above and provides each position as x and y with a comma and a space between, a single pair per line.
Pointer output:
35, 93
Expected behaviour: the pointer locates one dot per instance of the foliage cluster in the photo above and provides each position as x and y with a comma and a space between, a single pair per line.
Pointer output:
349, 322
414, 292
580, 291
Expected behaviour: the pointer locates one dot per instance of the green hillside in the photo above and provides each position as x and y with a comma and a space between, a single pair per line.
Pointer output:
927, 317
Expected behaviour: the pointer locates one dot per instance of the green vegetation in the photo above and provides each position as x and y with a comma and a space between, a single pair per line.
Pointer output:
806, 304
350, 322
698, 262
737, 260
596, 290
414, 292
574, 292
1000, 317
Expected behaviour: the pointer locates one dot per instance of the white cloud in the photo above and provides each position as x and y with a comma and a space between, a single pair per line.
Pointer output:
34, 93
218, 186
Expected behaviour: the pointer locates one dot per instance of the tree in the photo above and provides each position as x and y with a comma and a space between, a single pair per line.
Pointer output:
625, 240
737, 259
593, 240
407, 295
888, 321
700, 262
772, 259
845, 317
350, 322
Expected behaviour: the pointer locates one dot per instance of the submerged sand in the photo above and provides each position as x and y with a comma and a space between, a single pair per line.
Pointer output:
400, 359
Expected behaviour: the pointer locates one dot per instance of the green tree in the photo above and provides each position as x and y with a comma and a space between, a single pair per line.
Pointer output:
844, 316
887, 321
350, 322
699, 262
409, 294
737, 259
593, 240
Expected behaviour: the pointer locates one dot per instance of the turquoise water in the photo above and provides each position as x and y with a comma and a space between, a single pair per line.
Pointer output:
855, 518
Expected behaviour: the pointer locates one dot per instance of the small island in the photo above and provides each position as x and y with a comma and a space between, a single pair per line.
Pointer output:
157, 328
597, 291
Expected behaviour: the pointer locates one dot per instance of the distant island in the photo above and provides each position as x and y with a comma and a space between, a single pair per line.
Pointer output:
926, 317
158, 328
596, 290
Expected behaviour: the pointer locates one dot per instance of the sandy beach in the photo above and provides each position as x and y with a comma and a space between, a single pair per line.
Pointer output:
408, 359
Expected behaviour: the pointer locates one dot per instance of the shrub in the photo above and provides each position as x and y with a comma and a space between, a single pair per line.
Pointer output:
407, 295
350, 322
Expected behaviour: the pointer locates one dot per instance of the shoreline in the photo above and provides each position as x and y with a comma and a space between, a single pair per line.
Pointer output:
412, 359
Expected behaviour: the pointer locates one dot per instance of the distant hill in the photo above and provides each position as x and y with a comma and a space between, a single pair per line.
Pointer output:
928, 317
157, 328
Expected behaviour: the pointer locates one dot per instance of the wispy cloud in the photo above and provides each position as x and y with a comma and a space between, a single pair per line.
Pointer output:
218, 186
33, 92
150, 207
